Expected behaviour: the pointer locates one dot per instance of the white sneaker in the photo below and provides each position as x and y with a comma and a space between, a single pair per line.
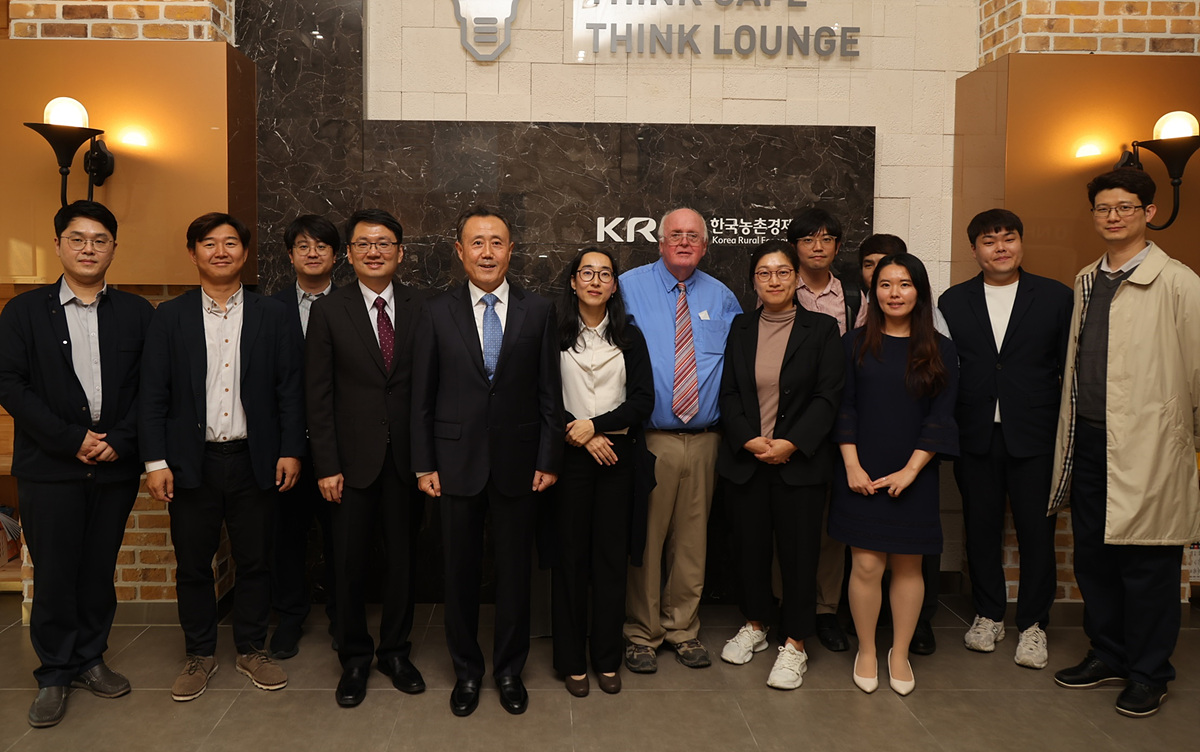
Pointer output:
789, 668
1031, 648
984, 634
744, 645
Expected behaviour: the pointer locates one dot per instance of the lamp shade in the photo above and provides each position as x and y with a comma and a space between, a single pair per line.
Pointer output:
65, 111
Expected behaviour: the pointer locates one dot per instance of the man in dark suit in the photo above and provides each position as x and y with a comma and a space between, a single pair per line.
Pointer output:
358, 371
313, 243
1010, 328
488, 431
221, 422
70, 353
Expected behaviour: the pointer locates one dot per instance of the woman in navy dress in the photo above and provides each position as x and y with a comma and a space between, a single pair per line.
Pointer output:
897, 415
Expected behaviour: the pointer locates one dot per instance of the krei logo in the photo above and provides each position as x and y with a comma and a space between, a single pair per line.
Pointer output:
480, 20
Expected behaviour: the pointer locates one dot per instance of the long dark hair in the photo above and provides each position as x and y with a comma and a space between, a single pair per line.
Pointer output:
925, 374
569, 320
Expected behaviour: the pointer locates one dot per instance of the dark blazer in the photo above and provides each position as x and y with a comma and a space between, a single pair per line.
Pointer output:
172, 407
810, 392
1025, 374
38, 386
355, 406
469, 430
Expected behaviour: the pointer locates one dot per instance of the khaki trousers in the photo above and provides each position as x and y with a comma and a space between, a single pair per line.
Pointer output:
659, 607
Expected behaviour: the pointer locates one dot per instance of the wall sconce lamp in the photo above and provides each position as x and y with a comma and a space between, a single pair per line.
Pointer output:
65, 126
1176, 138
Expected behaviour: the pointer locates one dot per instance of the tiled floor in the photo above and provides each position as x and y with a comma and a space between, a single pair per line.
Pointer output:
964, 701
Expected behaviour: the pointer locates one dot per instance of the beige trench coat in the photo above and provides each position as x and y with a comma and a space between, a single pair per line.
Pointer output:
1152, 404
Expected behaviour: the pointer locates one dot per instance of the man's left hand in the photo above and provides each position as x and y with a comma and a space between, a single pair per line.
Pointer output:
542, 481
287, 471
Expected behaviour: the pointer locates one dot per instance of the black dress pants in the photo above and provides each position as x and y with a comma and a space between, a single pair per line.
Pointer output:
74, 530
512, 524
766, 506
386, 506
985, 482
1131, 603
296, 510
592, 507
227, 494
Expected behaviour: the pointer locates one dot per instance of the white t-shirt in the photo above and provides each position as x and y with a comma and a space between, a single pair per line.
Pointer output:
1000, 300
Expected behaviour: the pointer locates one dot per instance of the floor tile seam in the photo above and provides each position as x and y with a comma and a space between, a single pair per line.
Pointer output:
17, 741
746, 722
144, 629
203, 742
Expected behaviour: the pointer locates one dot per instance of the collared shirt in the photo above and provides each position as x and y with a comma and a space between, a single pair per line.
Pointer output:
650, 297
1128, 266
305, 301
83, 326
224, 418
593, 376
389, 305
830, 301
478, 307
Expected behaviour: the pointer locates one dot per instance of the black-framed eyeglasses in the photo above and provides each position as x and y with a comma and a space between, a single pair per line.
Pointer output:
587, 274
384, 246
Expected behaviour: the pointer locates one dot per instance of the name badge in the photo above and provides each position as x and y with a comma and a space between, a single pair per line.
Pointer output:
704, 315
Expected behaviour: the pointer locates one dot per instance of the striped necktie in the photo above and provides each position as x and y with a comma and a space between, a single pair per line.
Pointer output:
686, 394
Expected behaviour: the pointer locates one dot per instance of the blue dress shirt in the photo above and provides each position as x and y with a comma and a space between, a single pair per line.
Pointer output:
650, 297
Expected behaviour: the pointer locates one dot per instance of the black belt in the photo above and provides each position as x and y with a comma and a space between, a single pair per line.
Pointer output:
227, 447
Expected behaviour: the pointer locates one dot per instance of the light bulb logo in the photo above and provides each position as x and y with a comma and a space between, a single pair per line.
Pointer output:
479, 21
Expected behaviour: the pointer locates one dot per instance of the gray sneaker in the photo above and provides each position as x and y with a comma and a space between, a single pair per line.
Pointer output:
640, 659
744, 645
983, 635
264, 672
691, 653
789, 668
1031, 648
193, 680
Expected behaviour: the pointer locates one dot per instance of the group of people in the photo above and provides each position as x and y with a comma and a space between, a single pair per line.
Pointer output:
597, 428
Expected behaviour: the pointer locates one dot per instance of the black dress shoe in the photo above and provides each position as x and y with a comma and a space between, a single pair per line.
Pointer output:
48, 707
513, 696
405, 676
102, 681
465, 697
352, 689
1140, 700
829, 632
923, 641
1091, 673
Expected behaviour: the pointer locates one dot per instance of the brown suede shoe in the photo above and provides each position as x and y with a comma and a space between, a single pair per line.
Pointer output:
193, 680
264, 672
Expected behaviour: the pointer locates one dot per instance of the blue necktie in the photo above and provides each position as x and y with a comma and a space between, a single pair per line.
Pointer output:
492, 336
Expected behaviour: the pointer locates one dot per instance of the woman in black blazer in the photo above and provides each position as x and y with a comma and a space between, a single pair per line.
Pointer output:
599, 515
780, 391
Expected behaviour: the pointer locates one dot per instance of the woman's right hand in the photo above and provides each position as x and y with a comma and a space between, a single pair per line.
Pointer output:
600, 447
859, 481
757, 445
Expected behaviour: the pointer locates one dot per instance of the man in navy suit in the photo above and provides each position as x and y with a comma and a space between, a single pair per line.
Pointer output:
1011, 330
70, 353
312, 244
221, 421
487, 436
358, 371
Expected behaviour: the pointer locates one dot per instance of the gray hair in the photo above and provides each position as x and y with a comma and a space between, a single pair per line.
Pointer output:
659, 232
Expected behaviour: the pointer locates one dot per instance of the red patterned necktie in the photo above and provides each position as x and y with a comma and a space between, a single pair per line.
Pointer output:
387, 335
686, 401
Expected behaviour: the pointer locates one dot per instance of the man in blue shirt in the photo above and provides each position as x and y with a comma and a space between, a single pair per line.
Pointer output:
685, 316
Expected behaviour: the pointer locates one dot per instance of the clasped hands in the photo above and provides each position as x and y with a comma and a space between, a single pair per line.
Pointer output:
95, 449
582, 433
770, 451
895, 483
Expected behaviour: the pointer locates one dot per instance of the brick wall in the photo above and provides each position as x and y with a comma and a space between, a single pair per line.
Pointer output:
124, 19
1105, 26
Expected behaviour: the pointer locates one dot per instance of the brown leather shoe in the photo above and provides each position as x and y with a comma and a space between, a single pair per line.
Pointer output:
610, 685
577, 687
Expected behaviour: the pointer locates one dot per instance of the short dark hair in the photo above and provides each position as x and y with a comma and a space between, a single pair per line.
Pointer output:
768, 247
994, 220
811, 220
315, 226
88, 210
373, 217
1127, 178
479, 210
206, 223
880, 242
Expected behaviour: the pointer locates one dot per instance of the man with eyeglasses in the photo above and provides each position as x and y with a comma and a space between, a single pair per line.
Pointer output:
312, 244
358, 369
221, 429
1128, 434
685, 315
70, 353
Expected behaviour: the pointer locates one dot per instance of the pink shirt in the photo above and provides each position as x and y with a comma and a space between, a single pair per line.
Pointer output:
830, 301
